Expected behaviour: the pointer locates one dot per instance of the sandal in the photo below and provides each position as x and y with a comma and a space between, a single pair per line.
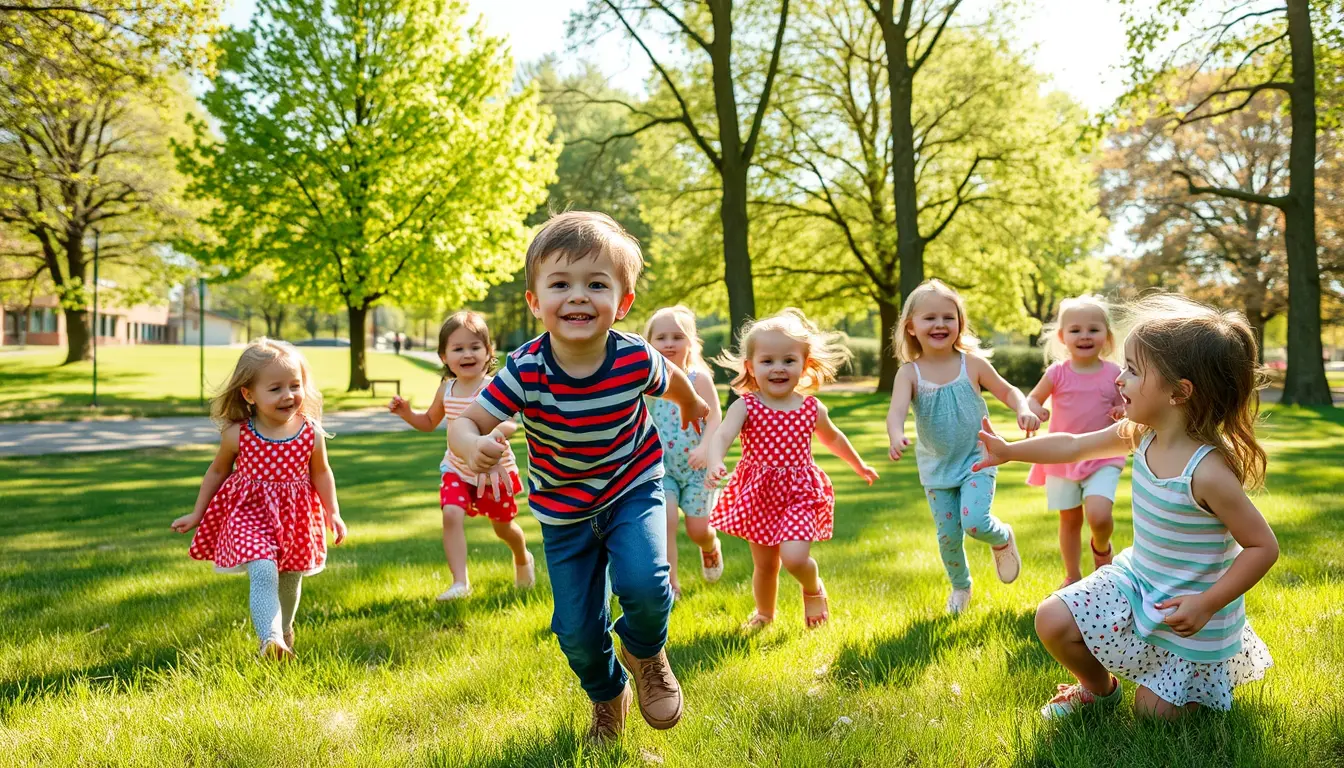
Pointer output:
1101, 558
711, 563
275, 650
816, 609
455, 592
757, 622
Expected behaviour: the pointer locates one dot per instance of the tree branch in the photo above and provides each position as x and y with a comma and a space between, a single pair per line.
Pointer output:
1236, 194
749, 148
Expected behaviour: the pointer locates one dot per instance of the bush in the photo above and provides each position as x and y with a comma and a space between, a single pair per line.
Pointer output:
1020, 364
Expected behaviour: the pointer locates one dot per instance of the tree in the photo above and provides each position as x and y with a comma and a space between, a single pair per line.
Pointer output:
370, 150
255, 291
1261, 48
714, 33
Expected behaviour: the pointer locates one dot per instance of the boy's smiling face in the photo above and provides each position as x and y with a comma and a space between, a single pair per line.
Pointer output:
579, 300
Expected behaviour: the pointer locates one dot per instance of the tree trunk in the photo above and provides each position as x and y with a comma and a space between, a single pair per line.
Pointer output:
736, 256
1304, 382
77, 336
890, 315
900, 77
359, 377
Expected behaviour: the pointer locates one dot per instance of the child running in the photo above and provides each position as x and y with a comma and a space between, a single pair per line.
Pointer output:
671, 331
1080, 384
942, 377
1168, 614
778, 499
269, 491
468, 354
595, 465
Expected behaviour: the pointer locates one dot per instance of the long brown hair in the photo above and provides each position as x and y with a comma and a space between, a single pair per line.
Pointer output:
1217, 353
826, 352
228, 407
474, 322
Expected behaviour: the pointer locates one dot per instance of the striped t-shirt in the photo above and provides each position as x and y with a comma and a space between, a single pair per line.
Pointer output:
589, 440
1179, 549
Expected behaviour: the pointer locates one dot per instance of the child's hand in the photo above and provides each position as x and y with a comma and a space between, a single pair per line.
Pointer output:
1041, 411
1028, 422
898, 447
695, 416
1190, 616
400, 406
699, 458
185, 523
867, 473
486, 452
498, 480
715, 474
337, 526
1117, 412
995, 448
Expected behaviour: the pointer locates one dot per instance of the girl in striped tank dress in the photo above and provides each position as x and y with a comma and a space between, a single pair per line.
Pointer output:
468, 354
1168, 613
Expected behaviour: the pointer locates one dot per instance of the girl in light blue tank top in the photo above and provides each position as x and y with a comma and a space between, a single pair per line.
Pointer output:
934, 340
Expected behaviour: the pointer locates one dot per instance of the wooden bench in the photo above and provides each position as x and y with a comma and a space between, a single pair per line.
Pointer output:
373, 386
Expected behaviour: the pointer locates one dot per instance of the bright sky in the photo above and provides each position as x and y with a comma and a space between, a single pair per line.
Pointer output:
1077, 42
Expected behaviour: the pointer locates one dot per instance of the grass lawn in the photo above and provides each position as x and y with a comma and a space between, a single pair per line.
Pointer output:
116, 648
165, 381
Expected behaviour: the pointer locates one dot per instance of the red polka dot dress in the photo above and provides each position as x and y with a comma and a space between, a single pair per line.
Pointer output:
777, 492
267, 509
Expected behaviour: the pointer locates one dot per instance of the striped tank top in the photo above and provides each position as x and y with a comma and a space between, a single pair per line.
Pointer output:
452, 408
1179, 549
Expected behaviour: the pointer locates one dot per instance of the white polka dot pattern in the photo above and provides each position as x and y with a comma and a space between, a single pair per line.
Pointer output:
777, 492
267, 509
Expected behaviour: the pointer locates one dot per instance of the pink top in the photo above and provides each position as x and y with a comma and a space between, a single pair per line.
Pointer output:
1079, 402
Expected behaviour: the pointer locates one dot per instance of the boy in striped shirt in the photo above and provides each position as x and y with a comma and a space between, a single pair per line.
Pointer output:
594, 461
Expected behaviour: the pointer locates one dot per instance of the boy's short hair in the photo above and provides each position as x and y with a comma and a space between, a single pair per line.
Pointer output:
574, 235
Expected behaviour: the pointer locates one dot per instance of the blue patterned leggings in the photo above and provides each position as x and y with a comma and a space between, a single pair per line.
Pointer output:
960, 512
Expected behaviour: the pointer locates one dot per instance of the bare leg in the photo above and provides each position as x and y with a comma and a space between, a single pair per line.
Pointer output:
699, 531
510, 533
1070, 547
1060, 635
765, 578
1099, 519
1149, 704
673, 517
455, 543
796, 558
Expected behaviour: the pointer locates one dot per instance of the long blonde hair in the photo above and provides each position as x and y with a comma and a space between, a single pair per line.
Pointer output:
1056, 349
825, 351
228, 407
906, 346
1217, 353
685, 320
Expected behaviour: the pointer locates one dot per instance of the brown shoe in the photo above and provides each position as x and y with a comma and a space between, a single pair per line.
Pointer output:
1101, 558
659, 692
609, 717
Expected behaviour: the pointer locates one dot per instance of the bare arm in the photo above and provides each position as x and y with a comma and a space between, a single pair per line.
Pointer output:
219, 470
1055, 448
325, 484
1039, 394
427, 421
679, 390
704, 386
475, 438
1217, 489
902, 393
989, 379
724, 437
836, 442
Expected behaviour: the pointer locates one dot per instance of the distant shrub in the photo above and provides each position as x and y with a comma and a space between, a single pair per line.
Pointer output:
866, 357
1020, 364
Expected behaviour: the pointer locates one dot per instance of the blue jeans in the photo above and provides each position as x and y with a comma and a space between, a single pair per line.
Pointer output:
627, 540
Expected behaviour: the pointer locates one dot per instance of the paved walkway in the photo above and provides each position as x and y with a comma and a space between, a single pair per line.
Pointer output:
40, 438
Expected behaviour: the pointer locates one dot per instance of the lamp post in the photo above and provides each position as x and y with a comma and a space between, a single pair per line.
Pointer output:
96, 244
200, 309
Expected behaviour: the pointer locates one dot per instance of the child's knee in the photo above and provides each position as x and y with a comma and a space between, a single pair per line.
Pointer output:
1098, 511
1054, 621
795, 561
453, 515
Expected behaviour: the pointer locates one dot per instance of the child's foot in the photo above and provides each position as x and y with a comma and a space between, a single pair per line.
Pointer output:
288, 637
816, 609
711, 563
658, 690
1007, 561
525, 575
275, 650
1101, 558
609, 717
455, 592
676, 592
958, 601
1072, 698
757, 622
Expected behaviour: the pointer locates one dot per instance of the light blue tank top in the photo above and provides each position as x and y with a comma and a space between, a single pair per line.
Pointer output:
667, 418
947, 428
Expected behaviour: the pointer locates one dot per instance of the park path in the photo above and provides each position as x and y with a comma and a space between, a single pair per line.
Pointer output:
42, 438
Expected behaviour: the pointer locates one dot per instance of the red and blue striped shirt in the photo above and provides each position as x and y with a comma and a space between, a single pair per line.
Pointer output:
589, 440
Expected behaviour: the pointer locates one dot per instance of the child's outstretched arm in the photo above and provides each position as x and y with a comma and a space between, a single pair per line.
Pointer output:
724, 437
704, 386
220, 469
325, 483
477, 438
679, 391
1219, 491
902, 392
989, 379
836, 442
1039, 394
424, 422
1054, 448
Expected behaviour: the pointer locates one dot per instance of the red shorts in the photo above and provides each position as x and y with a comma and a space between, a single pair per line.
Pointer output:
456, 492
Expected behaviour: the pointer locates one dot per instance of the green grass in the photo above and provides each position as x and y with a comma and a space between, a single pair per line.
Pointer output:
117, 649
165, 381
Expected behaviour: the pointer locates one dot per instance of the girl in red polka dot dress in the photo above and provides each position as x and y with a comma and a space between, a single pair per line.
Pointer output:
269, 492
778, 499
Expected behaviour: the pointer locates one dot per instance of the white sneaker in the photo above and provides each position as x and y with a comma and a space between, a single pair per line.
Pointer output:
525, 575
1007, 561
455, 592
958, 601
711, 563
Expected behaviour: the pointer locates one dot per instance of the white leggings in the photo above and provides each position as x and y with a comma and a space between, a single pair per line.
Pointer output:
273, 598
